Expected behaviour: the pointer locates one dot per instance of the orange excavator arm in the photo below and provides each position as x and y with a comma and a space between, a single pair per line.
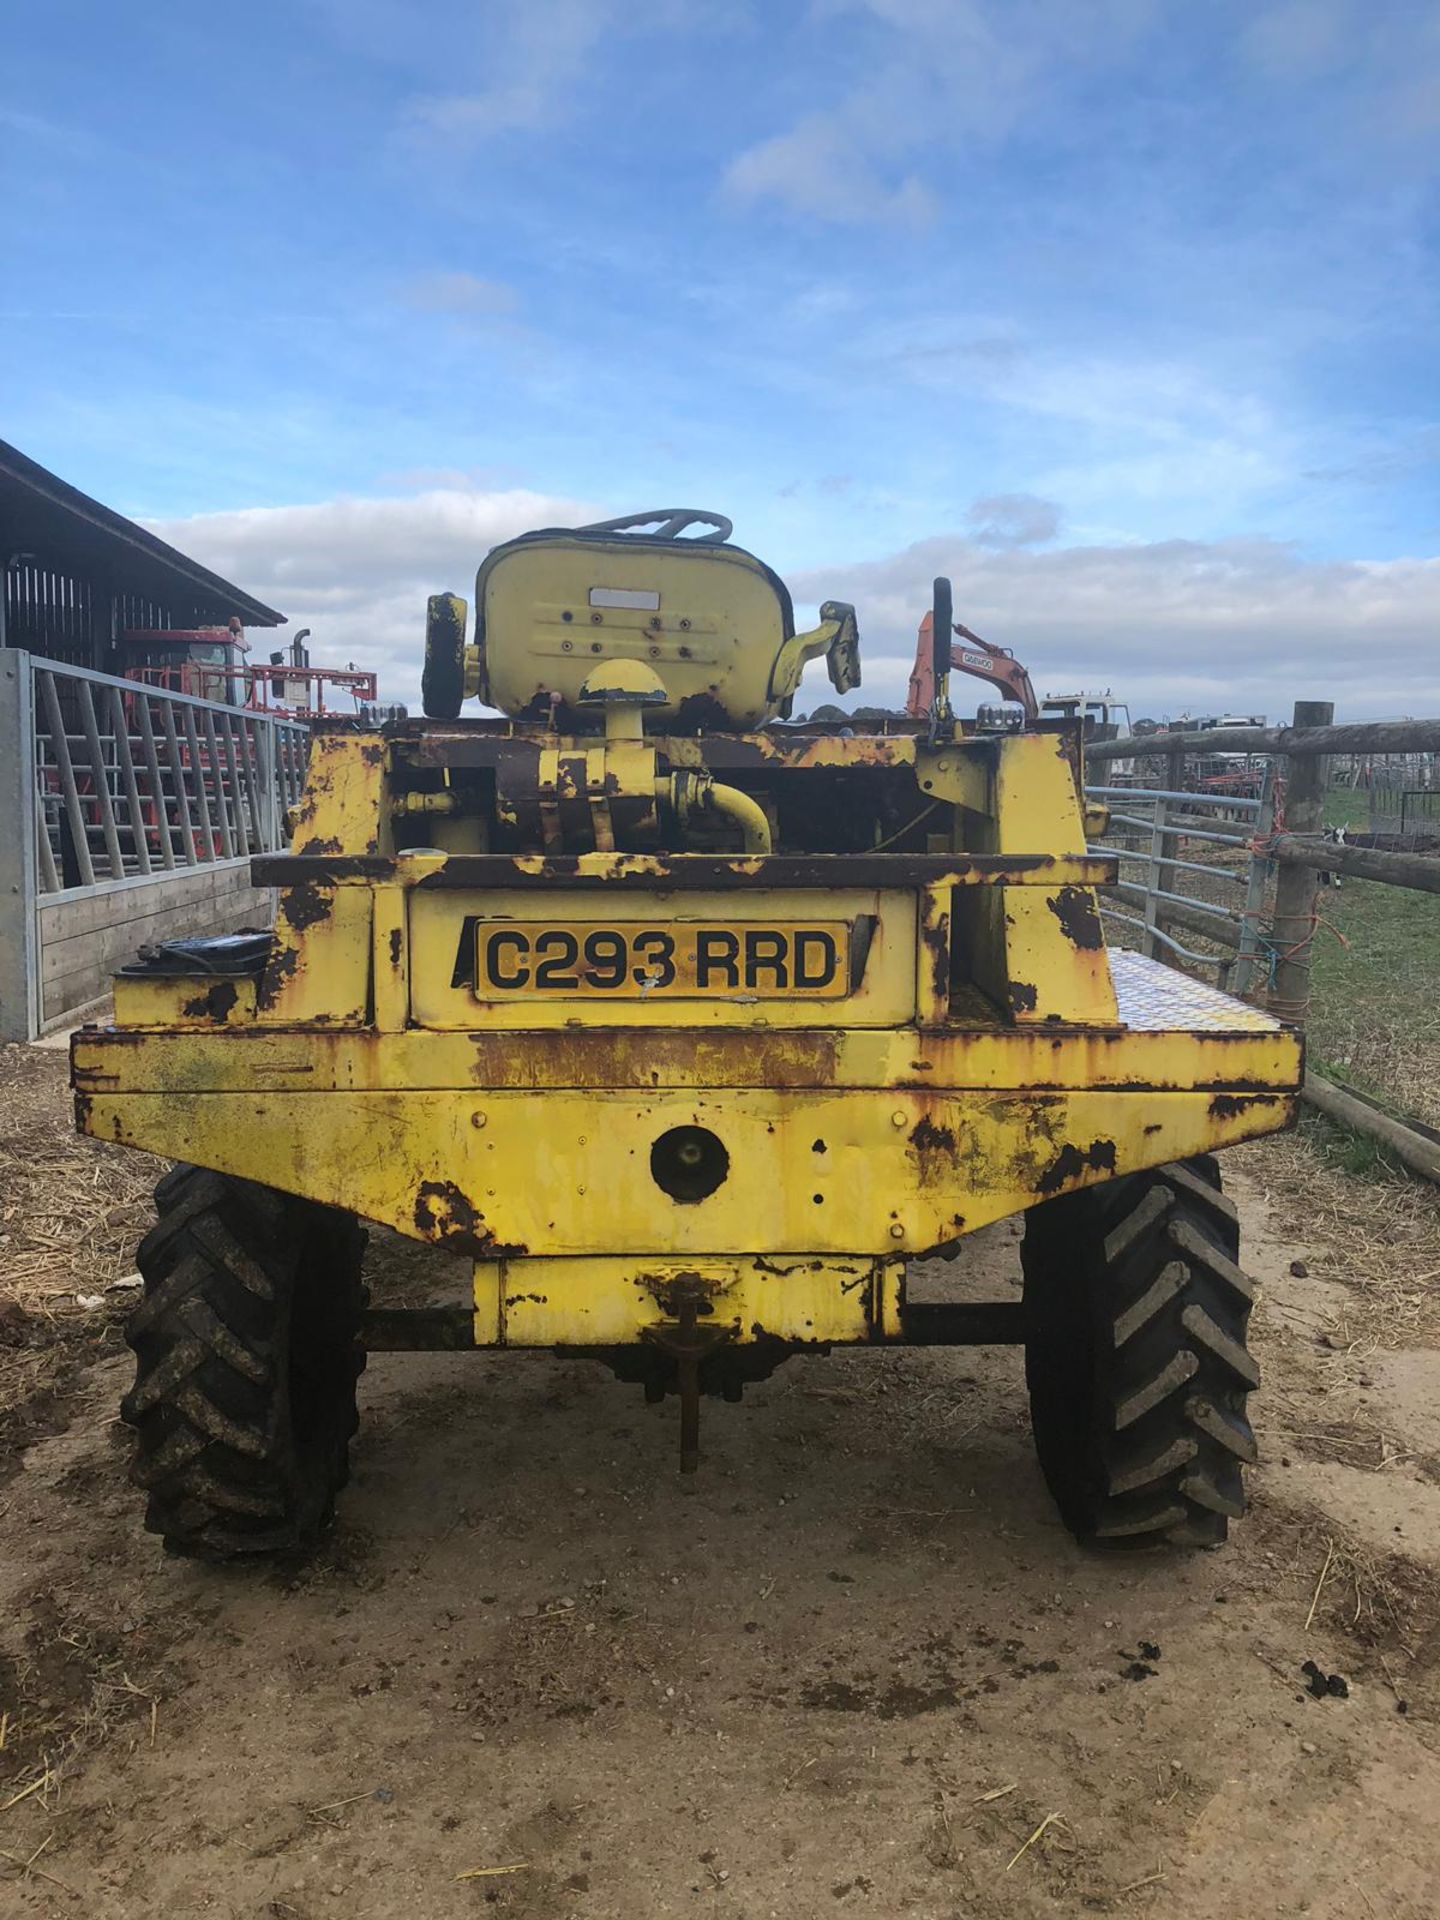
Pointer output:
986, 662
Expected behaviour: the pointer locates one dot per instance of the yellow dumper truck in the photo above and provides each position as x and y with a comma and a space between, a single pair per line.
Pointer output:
691, 1029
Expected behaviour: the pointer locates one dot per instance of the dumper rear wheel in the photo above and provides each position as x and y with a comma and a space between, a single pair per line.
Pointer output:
247, 1353
1136, 1360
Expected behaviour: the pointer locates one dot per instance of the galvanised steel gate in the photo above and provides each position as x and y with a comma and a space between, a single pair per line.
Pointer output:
129, 814
1196, 864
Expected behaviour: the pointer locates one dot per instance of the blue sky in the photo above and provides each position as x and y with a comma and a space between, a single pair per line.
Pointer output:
1122, 310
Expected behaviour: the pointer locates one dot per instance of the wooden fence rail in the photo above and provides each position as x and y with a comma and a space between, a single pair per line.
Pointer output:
1300, 741
1419, 870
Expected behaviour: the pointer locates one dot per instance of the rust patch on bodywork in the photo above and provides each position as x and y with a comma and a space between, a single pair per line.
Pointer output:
1023, 997
397, 942
653, 1057
291, 869
698, 711
306, 904
928, 1138
215, 1003
699, 870
445, 1215
1072, 1161
442, 1211
936, 1151
1074, 908
279, 969
935, 937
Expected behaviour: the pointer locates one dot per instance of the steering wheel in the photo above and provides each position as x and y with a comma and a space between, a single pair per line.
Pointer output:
668, 523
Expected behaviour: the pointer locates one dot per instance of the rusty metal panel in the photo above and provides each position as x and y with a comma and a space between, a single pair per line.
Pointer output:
1225, 1047
689, 872
809, 1298
845, 1172
771, 1157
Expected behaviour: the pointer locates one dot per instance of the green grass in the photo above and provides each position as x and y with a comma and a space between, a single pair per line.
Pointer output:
1375, 999
1347, 807
1358, 1154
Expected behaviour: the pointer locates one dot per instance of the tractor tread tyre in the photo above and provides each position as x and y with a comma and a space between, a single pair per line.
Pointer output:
247, 1354
1136, 1362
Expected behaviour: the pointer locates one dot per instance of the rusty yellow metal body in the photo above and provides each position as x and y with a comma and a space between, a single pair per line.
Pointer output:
845, 1060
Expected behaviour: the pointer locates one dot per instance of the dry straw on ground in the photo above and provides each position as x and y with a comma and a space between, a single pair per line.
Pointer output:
71, 1214
72, 1208
1380, 1239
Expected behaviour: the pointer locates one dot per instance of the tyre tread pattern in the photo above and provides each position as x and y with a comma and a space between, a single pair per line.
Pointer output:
1136, 1356
237, 1454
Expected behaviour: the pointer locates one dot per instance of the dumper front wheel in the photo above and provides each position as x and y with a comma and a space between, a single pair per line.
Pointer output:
247, 1351
1136, 1360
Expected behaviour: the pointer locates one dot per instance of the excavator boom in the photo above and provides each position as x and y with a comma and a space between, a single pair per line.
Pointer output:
980, 658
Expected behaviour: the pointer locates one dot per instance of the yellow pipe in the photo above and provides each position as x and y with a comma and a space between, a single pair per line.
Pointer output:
445, 802
746, 813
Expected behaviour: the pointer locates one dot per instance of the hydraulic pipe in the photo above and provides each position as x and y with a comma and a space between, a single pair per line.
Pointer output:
746, 813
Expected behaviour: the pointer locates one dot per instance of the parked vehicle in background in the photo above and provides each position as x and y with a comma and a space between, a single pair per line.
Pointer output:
209, 663
1102, 716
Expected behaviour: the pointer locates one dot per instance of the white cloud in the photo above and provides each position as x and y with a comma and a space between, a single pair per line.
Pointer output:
1135, 396
538, 57
1013, 520
1389, 57
460, 296
1171, 625
535, 54
815, 169
1298, 39
1123, 437
931, 74
934, 82
472, 70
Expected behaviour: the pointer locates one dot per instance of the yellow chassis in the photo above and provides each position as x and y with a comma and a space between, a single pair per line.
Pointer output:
358, 1070
850, 1151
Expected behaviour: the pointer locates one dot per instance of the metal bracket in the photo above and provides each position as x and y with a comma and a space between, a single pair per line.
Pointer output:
687, 1343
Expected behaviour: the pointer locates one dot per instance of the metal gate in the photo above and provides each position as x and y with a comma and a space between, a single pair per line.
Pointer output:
127, 814
1195, 864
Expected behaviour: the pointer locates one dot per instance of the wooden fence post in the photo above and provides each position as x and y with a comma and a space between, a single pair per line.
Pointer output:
1293, 932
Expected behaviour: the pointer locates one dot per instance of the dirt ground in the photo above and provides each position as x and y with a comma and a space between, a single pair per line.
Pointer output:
855, 1666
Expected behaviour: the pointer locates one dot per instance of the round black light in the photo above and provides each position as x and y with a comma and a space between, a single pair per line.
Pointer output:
689, 1163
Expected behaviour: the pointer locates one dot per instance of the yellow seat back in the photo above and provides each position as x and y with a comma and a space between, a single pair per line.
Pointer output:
714, 625
710, 621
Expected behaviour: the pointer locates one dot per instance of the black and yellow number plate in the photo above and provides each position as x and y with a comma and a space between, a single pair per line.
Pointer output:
684, 960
